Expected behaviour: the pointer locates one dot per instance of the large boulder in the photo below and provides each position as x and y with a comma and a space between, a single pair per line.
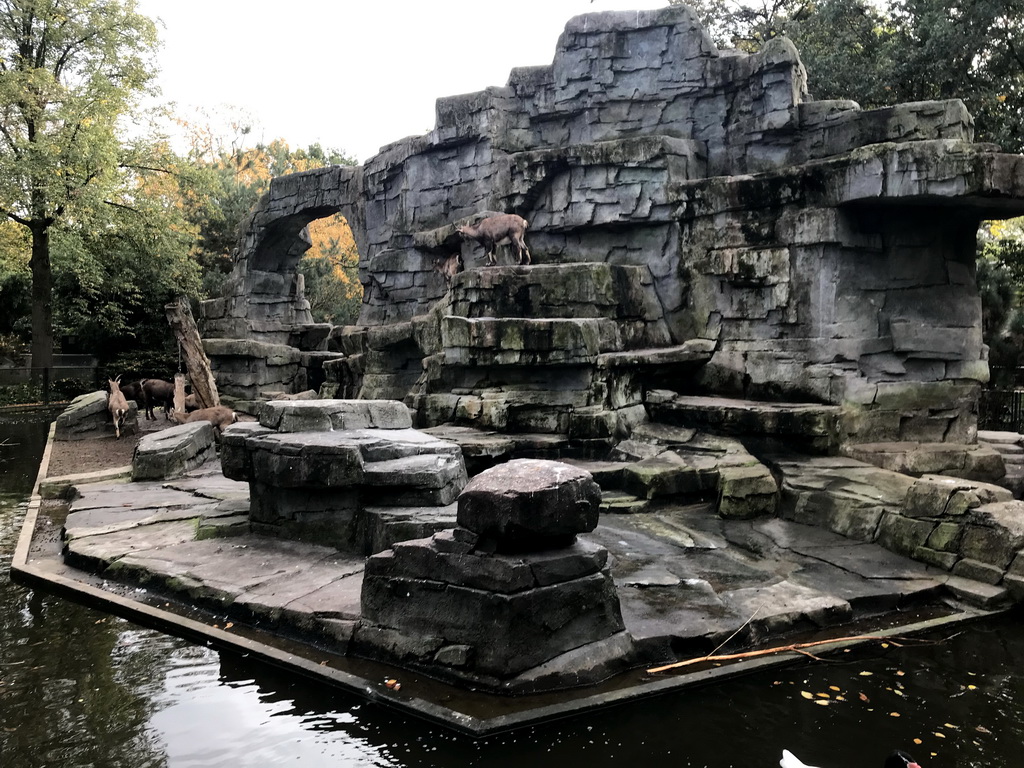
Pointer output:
530, 504
87, 417
173, 451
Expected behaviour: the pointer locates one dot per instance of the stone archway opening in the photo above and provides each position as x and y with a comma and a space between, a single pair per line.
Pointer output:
330, 270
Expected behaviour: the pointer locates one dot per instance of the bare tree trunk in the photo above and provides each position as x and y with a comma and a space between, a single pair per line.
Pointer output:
204, 387
42, 301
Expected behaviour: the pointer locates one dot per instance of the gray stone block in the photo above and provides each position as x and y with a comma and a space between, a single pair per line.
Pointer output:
525, 503
87, 417
334, 415
173, 451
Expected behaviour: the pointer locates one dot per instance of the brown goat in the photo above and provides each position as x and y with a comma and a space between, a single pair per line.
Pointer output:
157, 392
498, 230
117, 405
219, 416
449, 267
133, 391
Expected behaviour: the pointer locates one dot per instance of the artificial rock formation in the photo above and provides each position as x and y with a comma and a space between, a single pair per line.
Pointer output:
347, 474
697, 222
87, 417
509, 599
172, 452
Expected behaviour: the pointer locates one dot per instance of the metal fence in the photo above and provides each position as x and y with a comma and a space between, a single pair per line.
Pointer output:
1001, 410
69, 376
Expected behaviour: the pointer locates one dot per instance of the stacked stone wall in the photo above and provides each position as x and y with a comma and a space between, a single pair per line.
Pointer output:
793, 250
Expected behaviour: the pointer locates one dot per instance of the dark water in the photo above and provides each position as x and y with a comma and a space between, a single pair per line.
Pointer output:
80, 688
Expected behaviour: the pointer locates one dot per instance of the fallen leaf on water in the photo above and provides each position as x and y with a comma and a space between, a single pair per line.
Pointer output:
866, 674
972, 687
940, 735
823, 695
898, 692
863, 697
894, 714
918, 741
949, 725
834, 688
823, 702
840, 698
900, 673
982, 729
807, 694
229, 625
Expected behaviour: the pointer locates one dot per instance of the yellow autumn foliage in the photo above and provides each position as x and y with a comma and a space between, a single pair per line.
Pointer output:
332, 239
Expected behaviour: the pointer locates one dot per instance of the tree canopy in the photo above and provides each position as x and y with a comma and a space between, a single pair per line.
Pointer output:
70, 70
900, 51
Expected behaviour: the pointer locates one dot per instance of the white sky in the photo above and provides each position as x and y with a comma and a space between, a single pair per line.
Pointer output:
350, 74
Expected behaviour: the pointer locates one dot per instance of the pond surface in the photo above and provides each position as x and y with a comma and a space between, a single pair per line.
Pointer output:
81, 688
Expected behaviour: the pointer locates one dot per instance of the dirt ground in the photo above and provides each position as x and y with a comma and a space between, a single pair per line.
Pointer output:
98, 453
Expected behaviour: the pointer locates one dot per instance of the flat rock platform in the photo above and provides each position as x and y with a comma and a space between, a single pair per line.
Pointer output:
177, 555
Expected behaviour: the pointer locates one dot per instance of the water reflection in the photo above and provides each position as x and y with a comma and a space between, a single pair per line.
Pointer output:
80, 688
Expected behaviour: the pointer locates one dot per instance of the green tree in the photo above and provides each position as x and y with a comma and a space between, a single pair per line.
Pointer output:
69, 71
901, 51
1000, 283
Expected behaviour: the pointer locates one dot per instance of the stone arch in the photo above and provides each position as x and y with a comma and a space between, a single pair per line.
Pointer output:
284, 240
264, 300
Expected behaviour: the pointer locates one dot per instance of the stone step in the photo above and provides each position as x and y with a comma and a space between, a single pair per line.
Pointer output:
580, 289
805, 425
425, 471
482, 448
619, 502
973, 461
502, 341
1004, 438
385, 526
607, 474
694, 352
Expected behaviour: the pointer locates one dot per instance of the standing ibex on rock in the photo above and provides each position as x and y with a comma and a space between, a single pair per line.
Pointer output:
117, 405
498, 230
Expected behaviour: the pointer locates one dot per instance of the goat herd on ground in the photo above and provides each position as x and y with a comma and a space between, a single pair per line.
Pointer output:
150, 394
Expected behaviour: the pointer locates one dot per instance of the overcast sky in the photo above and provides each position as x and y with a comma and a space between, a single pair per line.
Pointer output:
352, 75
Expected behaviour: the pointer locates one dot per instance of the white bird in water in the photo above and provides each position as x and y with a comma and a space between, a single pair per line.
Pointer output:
897, 759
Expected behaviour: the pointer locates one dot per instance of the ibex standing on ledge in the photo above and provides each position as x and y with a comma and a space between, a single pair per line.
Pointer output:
498, 230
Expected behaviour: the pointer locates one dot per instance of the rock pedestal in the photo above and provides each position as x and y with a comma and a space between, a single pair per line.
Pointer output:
323, 471
510, 596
